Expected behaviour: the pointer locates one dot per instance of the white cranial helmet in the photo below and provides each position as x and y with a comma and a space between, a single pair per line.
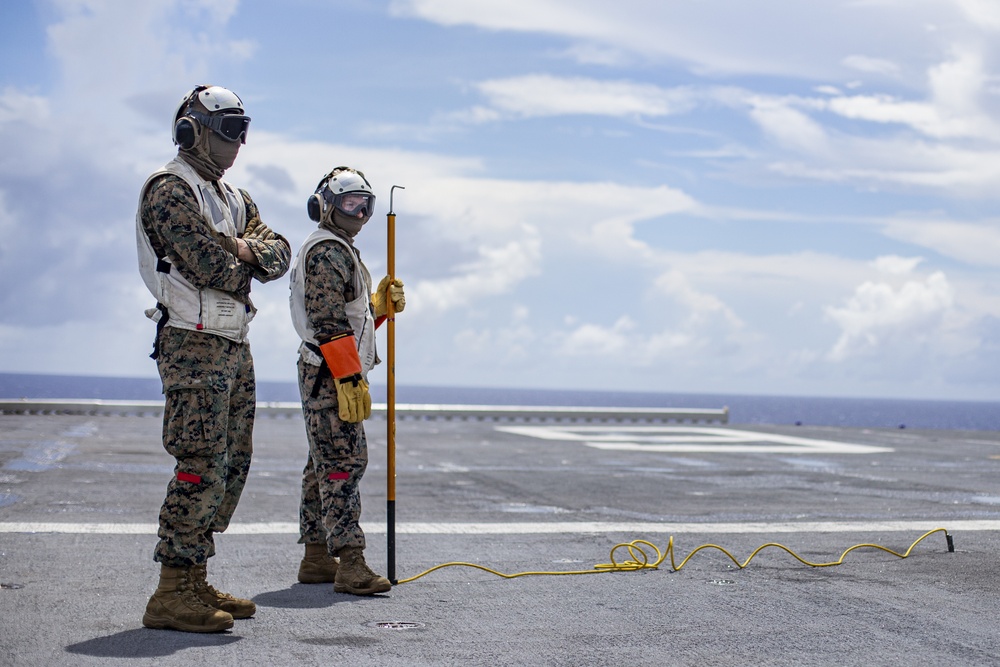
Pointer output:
343, 189
216, 100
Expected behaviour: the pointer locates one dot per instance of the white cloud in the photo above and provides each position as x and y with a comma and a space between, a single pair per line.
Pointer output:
703, 309
871, 65
954, 109
886, 109
495, 15
795, 126
8, 223
701, 321
717, 37
513, 228
874, 164
804, 145
497, 271
510, 345
977, 244
982, 13
476, 115
956, 83
792, 129
30, 137
883, 318
828, 90
16, 106
545, 95
594, 54
807, 275
125, 42
896, 265
592, 340
953, 112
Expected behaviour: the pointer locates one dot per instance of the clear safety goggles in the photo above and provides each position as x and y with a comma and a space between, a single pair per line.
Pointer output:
231, 127
353, 203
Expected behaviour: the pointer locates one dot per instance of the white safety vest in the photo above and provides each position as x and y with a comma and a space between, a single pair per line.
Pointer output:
188, 307
359, 312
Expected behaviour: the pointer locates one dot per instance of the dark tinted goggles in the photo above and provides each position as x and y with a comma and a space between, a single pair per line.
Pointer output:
230, 127
353, 203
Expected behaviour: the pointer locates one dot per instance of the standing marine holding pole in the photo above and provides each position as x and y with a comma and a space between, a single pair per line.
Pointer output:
201, 242
335, 313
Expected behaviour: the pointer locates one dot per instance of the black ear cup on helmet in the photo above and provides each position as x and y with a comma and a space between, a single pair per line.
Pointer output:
187, 129
186, 132
315, 207
315, 204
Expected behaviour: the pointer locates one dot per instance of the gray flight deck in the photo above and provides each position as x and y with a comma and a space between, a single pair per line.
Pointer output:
80, 489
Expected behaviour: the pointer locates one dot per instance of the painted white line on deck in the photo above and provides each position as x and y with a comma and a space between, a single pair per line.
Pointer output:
688, 439
532, 528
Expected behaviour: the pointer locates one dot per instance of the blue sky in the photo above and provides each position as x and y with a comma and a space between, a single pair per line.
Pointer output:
798, 198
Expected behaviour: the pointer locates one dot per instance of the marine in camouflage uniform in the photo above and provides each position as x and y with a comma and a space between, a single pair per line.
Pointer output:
332, 300
207, 370
338, 450
208, 380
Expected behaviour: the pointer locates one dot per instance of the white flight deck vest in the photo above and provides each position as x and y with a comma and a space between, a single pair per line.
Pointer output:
359, 312
209, 310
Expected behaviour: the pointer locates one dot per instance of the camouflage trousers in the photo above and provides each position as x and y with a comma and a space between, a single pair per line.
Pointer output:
208, 418
330, 507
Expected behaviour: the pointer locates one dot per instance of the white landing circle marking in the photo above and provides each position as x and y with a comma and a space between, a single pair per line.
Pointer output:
677, 439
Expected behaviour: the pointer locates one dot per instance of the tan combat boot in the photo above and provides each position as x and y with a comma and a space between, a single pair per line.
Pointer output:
175, 606
237, 607
318, 566
355, 577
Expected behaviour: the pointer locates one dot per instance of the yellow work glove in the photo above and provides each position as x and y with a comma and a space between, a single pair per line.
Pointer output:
354, 402
395, 290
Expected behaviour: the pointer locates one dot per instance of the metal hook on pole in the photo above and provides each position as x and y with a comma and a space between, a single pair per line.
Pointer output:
390, 416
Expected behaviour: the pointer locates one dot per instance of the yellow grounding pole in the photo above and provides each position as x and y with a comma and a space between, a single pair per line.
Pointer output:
390, 400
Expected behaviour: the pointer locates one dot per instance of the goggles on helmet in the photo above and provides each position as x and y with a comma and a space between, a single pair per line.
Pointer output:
351, 203
231, 127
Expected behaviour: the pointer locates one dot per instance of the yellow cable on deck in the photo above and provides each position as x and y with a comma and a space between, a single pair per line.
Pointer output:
639, 559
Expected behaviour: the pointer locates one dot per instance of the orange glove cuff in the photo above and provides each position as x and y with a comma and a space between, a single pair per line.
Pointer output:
341, 355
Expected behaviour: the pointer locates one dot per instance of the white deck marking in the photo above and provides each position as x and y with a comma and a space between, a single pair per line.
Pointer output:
688, 439
636, 529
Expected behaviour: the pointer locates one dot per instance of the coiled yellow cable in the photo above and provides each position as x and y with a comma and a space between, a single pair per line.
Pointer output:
639, 558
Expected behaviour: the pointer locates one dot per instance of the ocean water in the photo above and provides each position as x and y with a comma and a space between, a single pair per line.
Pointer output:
743, 409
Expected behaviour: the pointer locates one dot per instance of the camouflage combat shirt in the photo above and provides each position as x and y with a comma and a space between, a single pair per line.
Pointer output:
329, 286
171, 218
